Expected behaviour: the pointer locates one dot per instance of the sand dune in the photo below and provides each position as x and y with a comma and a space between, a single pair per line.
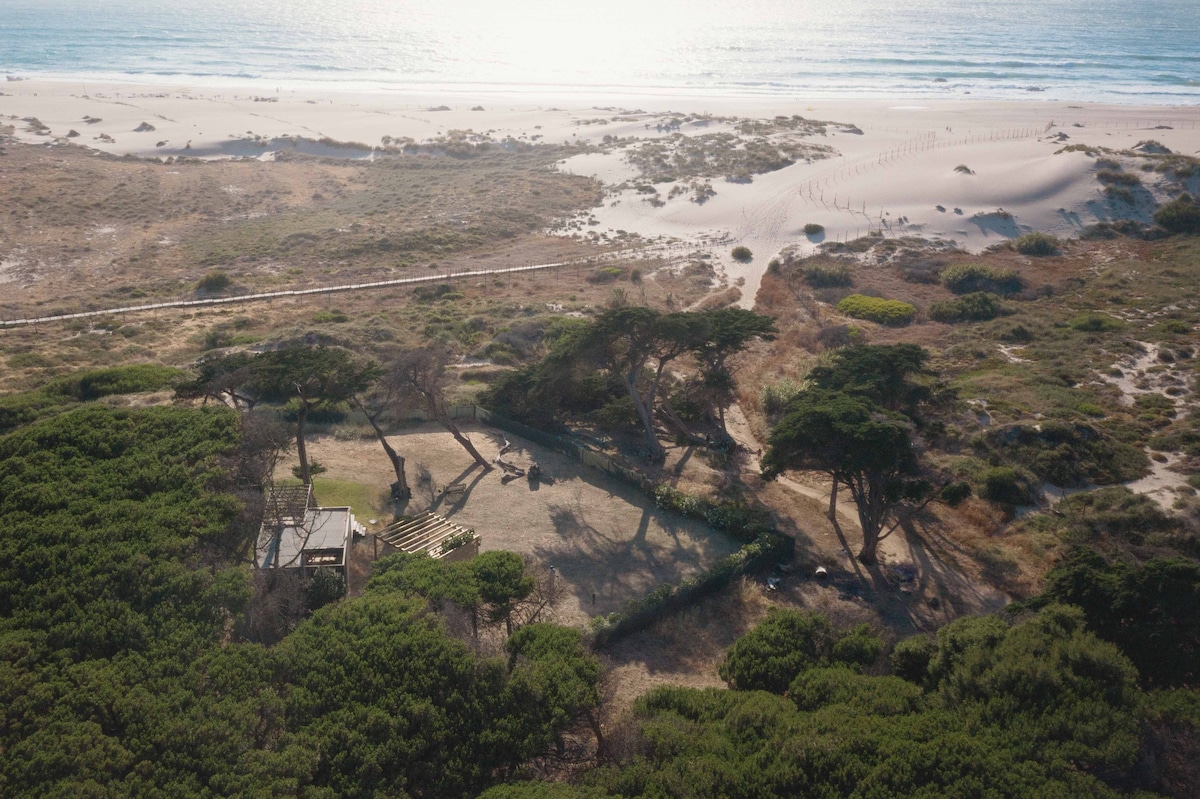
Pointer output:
891, 167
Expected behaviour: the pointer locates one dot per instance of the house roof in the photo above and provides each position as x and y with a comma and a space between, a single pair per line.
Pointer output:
322, 539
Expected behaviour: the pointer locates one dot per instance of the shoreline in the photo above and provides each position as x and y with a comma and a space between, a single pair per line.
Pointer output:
931, 89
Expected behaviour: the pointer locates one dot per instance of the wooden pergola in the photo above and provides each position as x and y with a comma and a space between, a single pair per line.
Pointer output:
425, 532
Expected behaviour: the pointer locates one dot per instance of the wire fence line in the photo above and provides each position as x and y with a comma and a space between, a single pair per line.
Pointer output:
664, 249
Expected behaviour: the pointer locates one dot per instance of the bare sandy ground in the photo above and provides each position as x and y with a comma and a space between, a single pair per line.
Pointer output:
892, 166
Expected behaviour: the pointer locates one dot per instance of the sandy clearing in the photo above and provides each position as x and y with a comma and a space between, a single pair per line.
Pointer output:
606, 539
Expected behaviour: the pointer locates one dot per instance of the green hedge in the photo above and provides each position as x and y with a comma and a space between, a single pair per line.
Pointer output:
892, 313
641, 613
735, 518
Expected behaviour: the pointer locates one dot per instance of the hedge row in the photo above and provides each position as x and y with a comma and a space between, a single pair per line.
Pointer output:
735, 518
641, 613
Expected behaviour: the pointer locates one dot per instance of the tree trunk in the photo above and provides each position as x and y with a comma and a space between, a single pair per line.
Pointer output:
301, 450
449, 424
668, 412
657, 453
867, 555
402, 489
832, 514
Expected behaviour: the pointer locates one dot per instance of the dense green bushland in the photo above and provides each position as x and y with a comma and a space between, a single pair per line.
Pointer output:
64, 392
1041, 707
123, 588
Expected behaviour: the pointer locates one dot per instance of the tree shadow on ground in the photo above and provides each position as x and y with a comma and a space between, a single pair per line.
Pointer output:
607, 566
447, 504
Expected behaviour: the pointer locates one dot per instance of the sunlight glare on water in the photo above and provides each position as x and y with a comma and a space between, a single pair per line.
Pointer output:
1062, 49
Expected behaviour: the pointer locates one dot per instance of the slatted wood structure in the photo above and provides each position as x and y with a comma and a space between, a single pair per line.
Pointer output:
288, 504
424, 532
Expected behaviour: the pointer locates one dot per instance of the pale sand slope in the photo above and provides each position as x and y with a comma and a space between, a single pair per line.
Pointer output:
893, 175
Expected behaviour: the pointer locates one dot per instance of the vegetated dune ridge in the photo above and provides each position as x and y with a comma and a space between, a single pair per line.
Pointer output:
975, 172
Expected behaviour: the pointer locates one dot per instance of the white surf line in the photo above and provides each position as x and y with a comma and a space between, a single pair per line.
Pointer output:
271, 295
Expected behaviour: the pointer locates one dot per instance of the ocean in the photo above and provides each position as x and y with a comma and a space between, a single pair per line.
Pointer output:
1081, 50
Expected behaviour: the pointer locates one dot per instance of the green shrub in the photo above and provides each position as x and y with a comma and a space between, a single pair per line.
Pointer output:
333, 315
821, 276
214, 282
741, 254
1036, 244
910, 658
1181, 215
892, 313
134, 379
813, 229
1174, 327
969, 278
954, 494
1091, 322
1068, 453
605, 274
790, 642
975, 307
774, 397
1003, 484
838, 685
436, 291
1116, 176
1017, 334
325, 586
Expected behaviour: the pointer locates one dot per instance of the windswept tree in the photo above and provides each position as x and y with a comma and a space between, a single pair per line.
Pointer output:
894, 376
727, 332
857, 444
311, 378
638, 346
623, 341
228, 379
419, 377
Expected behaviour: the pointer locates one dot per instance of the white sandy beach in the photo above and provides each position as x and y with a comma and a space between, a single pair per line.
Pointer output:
893, 165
